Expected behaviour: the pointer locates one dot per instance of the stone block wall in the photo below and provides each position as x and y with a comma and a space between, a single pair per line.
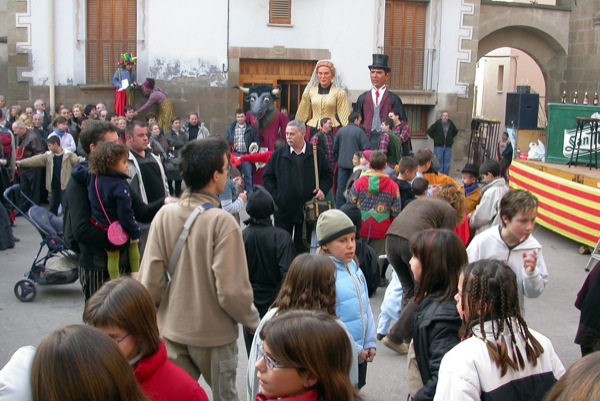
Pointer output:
186, 94
583, 60
16, 89
3, 48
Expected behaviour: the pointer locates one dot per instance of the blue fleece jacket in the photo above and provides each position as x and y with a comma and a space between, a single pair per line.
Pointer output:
352, 304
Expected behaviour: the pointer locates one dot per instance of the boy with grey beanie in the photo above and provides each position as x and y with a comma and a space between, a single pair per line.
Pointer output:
336, 235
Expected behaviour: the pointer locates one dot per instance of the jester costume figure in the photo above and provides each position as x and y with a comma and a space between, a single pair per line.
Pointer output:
125, 70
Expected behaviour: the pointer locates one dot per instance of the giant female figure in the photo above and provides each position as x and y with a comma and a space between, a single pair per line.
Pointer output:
323, 97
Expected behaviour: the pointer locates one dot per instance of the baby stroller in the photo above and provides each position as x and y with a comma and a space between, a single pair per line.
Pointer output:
57, 265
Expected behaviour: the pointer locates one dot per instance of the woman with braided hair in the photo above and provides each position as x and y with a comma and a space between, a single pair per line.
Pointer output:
500, 358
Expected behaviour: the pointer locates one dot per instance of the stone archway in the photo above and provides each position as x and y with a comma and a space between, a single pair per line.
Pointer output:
552, 62
541, 33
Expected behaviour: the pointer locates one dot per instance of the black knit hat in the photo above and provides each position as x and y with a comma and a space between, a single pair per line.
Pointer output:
260, 203
353, 212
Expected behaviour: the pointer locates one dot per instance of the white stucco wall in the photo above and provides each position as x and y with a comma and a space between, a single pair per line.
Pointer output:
450, 50
171, 43
348, 29
545, 2
65, 43
183, 38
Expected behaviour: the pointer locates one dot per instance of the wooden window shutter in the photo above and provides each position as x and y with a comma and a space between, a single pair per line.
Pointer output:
404, 42
111, 31
280, 12
92, 39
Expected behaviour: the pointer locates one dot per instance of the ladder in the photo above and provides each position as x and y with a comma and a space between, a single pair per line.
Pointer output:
595, 255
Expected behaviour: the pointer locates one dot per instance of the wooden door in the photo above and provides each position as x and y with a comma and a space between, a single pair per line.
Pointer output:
291, 75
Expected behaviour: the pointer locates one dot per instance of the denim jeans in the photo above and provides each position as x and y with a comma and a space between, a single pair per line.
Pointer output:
342, 179
444, 156
246, 169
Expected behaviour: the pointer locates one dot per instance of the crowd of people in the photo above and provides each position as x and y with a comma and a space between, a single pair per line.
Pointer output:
168, 274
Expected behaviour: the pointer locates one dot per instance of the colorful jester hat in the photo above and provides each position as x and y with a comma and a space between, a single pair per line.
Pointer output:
127, 59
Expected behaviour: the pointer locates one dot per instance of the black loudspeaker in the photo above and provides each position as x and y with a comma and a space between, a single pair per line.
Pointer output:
522, 110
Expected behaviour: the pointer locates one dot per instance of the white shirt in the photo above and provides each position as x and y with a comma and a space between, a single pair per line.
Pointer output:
298, 153
381, 92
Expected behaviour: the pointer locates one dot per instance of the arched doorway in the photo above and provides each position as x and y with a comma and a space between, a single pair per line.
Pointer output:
541, 33
500, 72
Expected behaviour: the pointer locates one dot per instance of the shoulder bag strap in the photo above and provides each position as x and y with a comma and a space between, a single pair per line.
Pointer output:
162, 150
183, 236
316, 166
100, 200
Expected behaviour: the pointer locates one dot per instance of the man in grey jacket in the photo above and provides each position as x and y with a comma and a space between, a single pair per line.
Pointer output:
349, 140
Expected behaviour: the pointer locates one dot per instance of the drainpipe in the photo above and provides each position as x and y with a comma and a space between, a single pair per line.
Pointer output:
226, 69
51, 70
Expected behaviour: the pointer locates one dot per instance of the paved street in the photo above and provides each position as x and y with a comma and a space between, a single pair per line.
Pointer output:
552, 314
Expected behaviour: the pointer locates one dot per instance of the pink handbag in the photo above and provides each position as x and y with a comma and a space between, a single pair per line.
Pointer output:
116, 235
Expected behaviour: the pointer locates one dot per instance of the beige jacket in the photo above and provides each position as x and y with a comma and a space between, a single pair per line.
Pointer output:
210, 292
69, 161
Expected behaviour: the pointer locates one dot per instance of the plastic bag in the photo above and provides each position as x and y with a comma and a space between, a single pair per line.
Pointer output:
537, 151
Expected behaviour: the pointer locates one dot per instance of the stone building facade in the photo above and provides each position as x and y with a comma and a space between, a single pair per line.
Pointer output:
198, 50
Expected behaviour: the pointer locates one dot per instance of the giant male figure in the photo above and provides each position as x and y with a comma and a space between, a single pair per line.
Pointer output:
375, 104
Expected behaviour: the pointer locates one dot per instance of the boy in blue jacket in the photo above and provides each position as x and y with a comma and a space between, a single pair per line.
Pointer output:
336, 235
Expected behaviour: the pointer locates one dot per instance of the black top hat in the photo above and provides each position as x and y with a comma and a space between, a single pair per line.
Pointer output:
380, 62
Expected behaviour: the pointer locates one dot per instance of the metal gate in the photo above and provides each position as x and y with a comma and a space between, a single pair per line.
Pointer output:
485, 136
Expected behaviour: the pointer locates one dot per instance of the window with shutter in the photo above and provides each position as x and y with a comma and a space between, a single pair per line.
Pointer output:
404, 42
280, 12
111, 31
417, 120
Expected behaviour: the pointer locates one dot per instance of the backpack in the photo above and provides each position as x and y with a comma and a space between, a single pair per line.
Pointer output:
367, 262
